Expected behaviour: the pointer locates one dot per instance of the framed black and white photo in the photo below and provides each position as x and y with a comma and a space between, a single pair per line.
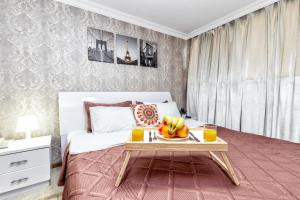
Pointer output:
100, 45
127, 50
148, 54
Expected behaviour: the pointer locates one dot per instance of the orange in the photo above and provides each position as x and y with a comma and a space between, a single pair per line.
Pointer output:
165, 131
182, 133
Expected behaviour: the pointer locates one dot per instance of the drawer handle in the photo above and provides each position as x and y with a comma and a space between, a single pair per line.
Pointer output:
19, 180
17, 163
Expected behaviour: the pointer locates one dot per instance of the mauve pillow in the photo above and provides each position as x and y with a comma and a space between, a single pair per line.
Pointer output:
141, 102
88, 104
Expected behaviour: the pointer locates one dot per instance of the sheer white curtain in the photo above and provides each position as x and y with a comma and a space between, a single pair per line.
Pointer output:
245, 75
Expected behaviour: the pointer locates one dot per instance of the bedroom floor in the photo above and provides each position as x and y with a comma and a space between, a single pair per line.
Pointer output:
52, 192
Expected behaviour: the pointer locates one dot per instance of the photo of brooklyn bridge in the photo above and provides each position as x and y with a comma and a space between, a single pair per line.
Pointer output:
100, 45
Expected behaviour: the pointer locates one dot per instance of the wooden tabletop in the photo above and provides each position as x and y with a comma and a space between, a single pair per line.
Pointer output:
169, 145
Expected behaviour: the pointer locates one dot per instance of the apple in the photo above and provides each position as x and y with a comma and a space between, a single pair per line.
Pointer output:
160, 127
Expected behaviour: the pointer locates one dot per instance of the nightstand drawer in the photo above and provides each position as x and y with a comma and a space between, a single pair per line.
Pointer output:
24, 178
24, 160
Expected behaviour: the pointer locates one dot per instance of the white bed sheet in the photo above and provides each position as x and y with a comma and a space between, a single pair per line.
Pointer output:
81, 141
193, 123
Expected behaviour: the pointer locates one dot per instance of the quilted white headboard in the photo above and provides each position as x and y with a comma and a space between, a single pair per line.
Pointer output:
71, 111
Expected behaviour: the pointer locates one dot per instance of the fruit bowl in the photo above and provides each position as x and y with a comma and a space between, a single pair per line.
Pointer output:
173, 128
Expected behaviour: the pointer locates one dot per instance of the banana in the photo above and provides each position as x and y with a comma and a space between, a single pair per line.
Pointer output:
170, 124
174, 122
180, 124
170, 131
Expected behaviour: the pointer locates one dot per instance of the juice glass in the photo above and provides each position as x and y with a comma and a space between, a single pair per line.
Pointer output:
137, 134
210, 133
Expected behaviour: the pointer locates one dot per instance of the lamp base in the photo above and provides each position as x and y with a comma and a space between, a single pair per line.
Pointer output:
28, 135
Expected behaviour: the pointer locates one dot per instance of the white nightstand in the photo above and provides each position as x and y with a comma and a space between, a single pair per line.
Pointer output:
24, 165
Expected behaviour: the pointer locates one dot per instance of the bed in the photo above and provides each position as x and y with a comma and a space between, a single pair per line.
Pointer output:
267, 168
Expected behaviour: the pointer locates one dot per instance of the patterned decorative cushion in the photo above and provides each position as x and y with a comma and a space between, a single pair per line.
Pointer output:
145, 115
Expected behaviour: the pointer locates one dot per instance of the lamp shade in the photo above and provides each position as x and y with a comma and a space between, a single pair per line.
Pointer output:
27, 123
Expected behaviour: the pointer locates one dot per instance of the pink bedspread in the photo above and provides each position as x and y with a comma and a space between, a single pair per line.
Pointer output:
267, 168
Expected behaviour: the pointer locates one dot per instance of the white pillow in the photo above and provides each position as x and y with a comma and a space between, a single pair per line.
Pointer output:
110, 119
167, 109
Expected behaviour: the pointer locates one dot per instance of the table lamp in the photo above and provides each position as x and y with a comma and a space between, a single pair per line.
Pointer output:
27, 124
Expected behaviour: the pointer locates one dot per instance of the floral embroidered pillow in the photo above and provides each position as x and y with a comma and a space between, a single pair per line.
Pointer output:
145, 115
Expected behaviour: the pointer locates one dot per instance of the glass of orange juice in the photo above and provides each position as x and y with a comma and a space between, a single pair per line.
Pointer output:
137, 134
210, 133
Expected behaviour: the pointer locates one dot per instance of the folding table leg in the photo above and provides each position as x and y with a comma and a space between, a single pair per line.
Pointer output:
125, 163
225, 165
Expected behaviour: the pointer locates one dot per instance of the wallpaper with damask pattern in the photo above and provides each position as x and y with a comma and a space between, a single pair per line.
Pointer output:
43, 50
